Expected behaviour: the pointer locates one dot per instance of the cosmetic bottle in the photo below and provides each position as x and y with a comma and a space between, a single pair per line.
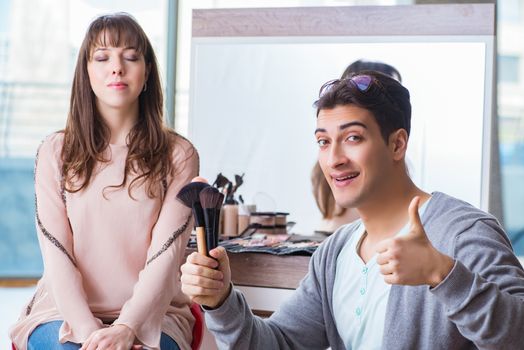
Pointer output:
243, 218
230, 218
244, 212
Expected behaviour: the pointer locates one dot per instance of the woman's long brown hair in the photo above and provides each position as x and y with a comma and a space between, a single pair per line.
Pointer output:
323, 196
86, 135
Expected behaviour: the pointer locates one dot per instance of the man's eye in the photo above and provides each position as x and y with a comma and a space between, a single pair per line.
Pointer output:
354, 138
321, 143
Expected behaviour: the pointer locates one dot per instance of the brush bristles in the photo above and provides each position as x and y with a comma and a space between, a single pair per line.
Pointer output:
220, 181
190, 193
198, 214
210, 197
211, 200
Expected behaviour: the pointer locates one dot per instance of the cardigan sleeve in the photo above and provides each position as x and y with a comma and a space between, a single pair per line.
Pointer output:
158, 282
298, 324
484, 292
61, 275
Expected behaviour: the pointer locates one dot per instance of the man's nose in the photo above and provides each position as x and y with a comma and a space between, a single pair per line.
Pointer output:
336, 156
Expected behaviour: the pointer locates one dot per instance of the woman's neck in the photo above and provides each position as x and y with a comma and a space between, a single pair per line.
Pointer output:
120, 122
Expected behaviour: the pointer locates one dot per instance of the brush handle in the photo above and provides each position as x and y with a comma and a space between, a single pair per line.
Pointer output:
216, 229
210, 216
201, 241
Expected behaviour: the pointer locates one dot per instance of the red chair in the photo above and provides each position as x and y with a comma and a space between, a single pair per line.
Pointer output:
198, 328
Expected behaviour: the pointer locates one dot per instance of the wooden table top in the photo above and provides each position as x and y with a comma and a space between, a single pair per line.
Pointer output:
266, 270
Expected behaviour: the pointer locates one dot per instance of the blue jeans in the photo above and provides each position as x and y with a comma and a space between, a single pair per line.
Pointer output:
45, 336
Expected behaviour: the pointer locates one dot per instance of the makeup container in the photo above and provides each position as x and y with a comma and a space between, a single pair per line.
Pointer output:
281, 223
265, 220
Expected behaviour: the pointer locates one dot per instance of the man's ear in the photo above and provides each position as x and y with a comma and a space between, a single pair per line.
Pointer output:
398, 144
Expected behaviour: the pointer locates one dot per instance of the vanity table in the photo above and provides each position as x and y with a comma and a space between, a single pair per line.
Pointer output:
265, 279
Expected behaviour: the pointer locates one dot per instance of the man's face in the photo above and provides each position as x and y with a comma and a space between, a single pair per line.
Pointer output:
353, 155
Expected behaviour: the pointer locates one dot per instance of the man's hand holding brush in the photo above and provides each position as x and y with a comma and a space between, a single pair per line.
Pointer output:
206, 276
207, 280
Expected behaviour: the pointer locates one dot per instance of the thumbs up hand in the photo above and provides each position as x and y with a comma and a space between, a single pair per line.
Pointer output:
411, 259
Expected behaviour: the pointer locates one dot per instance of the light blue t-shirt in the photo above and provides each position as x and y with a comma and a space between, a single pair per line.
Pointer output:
360, 294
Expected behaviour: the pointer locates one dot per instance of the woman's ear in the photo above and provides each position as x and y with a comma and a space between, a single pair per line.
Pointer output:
148, 70
398, 143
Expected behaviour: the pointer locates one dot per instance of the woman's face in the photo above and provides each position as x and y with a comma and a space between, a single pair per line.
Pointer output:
117, 76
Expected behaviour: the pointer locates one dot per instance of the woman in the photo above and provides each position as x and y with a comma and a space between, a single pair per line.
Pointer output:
111, 231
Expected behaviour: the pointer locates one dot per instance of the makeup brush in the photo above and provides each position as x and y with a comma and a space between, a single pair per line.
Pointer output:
239, 180
189, 195
211, 200
220, 181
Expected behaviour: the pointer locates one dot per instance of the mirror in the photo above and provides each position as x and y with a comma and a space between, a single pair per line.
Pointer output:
251, 110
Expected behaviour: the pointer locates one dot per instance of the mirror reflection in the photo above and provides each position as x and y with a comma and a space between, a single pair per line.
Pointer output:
251, 112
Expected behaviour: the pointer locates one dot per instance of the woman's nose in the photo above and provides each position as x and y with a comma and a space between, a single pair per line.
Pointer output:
118, 68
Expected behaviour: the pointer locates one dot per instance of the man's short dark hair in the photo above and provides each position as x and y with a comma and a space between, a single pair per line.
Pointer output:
376, 66
385, 98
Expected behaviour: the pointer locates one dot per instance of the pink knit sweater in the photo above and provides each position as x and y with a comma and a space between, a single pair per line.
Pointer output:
112, 260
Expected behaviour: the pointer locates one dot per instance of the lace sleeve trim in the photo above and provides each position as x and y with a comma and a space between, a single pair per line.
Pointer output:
170, 241
46, 233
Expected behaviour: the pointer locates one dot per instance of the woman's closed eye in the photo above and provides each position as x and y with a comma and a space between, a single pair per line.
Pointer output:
101, 58
131, 58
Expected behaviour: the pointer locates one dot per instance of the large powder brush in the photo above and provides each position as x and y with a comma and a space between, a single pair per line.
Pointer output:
211, 200
189, 195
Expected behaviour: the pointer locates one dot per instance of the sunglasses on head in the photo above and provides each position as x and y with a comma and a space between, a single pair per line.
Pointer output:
361, 82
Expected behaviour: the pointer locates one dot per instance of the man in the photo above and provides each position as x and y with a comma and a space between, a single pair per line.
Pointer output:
333, 215
417, 271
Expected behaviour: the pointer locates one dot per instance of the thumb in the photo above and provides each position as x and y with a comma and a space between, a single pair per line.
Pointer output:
414, 219
220, 255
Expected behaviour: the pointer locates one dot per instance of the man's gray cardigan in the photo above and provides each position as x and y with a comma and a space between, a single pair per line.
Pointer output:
480, 304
